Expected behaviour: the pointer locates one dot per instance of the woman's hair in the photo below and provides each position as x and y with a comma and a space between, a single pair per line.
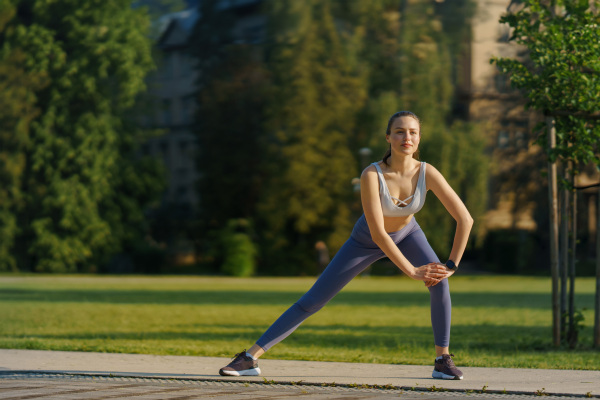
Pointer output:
399, 114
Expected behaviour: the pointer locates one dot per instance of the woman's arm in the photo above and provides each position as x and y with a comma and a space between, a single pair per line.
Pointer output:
369, 190
438, 185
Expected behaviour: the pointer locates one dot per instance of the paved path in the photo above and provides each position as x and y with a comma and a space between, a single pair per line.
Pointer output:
29, 374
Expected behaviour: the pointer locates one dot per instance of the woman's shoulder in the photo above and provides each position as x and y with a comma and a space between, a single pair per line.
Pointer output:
433, 177
429, 168
370, 169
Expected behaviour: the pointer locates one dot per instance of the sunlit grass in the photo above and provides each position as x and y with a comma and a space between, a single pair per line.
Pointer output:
497, 321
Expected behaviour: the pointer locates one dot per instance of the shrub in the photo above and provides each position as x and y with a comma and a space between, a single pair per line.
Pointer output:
239, 251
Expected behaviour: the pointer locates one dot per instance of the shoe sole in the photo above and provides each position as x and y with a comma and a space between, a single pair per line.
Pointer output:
441, 375
244, 372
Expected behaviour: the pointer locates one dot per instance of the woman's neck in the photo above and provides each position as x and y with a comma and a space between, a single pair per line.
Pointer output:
401, 163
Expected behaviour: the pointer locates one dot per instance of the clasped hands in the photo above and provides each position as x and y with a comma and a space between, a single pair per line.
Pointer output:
432, 273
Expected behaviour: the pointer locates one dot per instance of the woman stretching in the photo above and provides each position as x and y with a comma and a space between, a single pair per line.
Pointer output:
387, 228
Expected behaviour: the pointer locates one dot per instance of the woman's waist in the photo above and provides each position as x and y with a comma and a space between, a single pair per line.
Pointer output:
395, 224
393, 228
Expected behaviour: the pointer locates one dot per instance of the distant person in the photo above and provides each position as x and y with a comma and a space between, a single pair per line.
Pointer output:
387, 228
322, 255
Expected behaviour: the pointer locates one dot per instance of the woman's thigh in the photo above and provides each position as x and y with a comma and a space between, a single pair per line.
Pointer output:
417, 249
349, 261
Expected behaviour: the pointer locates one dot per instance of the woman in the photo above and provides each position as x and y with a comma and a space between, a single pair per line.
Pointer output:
387, 228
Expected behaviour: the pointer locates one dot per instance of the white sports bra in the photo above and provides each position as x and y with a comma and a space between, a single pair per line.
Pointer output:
403, 208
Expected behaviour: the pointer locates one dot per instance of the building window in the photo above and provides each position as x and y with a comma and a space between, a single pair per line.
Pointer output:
502, 83
520, 141
164, 148
183, 147
503, 139
182, 194
253, 34
188, 109
186, 64
184, 154
166, 112
167, 64
504, 32
182, 172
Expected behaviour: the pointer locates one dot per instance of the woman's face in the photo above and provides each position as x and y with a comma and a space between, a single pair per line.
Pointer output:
405, 135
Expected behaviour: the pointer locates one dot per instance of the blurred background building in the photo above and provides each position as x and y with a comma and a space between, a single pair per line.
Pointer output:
172, 97
171, 108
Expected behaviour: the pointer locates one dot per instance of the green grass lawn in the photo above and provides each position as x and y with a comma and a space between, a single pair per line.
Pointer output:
498, 321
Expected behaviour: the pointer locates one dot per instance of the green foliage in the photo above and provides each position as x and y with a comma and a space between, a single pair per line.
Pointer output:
377, 28
455, 148
316, 94
239, 250
282, 122
578, 324
158, 8
561, 76
73, 155
424, 55
17, 110
468, 170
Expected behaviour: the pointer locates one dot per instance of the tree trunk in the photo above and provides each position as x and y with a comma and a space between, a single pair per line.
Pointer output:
553, 207
572, 333
597, 314
564, 251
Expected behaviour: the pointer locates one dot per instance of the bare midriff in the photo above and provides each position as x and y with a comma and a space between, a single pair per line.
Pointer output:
394, 224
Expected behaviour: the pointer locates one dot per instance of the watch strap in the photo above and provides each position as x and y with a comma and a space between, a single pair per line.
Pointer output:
450, 264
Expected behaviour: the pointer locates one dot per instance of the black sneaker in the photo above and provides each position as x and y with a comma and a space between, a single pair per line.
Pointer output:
242, 365
445, 368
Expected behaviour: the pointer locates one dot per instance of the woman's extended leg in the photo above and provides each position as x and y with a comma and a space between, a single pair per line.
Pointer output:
349, 261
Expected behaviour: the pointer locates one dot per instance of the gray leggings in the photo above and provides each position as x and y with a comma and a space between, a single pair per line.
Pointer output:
354, 257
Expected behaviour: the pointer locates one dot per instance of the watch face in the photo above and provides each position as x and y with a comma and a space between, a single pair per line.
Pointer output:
450, 264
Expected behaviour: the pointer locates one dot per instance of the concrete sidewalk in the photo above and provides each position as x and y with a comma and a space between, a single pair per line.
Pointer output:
495, 380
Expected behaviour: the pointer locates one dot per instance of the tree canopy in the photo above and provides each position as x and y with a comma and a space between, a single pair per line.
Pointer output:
73, 187
561, 73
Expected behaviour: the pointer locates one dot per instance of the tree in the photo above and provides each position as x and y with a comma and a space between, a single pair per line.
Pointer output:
377, 25
17, 110
561, 78
317, 91
158, 8
75, 153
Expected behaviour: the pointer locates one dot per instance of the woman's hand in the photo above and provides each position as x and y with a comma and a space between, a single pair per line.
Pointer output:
449, 273
432, 273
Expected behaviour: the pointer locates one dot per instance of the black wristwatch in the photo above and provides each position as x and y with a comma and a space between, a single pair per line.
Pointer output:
450, 265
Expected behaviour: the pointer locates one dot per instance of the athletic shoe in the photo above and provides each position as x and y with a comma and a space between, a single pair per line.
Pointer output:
445, 369
242, 365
